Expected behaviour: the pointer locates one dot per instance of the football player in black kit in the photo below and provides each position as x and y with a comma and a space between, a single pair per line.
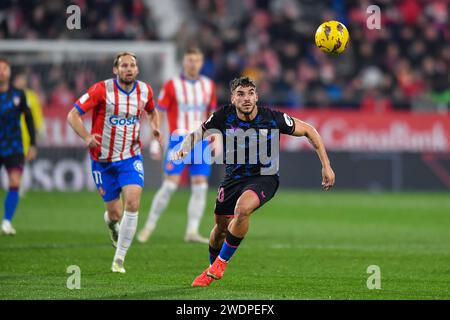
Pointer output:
251, 182
13, 104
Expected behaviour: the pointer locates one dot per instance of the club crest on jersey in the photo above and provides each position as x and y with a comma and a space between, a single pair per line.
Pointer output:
138, 166
16, 101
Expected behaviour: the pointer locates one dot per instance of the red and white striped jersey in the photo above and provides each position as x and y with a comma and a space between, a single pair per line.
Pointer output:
116, 115
187, 102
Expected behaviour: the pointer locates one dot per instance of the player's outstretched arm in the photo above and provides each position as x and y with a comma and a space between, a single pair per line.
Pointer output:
188, 143
75, 121
303, 129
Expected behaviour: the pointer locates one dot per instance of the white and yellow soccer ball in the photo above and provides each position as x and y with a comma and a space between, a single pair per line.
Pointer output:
332, 37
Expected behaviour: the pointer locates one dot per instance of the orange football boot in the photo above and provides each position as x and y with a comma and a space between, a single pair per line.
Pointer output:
217, 269
202, 280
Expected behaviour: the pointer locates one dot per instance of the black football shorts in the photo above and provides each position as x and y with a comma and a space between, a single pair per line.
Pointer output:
15, 161
229, 192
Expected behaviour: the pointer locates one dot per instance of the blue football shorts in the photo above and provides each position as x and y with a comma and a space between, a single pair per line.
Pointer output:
111, 177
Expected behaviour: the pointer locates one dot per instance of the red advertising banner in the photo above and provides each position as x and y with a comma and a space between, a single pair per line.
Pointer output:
340, 130
358, 131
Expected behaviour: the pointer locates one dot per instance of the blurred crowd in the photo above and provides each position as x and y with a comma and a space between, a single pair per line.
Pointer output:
403, 65
101, 19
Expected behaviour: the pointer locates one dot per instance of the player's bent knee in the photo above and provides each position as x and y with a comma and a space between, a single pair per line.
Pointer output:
132, 205
114, 215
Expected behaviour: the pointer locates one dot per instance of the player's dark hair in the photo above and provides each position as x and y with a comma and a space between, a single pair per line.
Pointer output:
193, 50
120, 55
242, 81
5, 60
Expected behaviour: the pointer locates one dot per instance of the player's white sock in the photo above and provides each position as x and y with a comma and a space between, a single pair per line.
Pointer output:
160, 202
196, 207
126, 234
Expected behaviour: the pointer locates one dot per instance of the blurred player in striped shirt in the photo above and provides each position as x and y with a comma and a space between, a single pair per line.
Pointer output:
115, 148
188, 100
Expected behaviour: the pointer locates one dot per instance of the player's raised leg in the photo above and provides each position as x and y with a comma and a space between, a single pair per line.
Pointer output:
11, 200
247, 203
217, 237
159, 204
128, 225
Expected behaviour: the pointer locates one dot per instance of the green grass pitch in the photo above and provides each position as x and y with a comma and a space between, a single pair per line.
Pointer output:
301, 245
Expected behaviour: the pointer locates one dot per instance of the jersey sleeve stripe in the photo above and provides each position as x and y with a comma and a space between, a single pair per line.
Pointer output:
80, 111
150, 99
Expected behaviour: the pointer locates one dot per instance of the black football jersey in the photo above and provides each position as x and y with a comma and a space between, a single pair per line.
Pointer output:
251, 148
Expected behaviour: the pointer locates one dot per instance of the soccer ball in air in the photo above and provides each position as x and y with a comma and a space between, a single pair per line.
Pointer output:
332, 37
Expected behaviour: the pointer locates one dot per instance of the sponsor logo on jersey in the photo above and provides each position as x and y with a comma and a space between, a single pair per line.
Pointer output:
118, 121
192, 107
288, 120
